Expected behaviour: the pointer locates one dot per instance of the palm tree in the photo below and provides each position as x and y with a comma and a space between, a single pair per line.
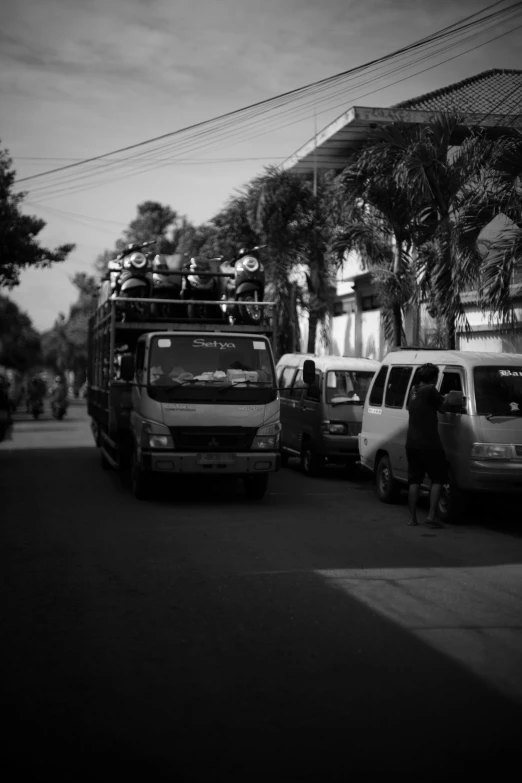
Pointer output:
379, 223
296, 223
440, 182
502, 198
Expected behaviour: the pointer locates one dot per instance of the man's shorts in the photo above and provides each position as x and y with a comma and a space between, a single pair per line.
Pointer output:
430, 461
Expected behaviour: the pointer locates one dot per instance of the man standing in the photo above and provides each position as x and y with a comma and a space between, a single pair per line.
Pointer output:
423, 445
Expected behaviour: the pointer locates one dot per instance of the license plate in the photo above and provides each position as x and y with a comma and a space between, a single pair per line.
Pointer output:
215, 459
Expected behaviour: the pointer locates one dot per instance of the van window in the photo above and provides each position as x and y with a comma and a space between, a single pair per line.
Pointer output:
285, 380
415, 382
397, 386
352, 386
297, 387
377, 391
498, 390
451, 381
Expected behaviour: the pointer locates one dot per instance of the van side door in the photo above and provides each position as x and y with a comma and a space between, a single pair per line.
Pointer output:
312, 413
396, 417
285, 379
455, 428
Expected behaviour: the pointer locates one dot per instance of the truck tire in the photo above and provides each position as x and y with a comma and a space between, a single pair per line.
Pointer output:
141, 480
388, 490
256, 486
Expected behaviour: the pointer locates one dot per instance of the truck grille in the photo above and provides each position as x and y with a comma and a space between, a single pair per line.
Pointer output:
353, 427
213, 438
518, 450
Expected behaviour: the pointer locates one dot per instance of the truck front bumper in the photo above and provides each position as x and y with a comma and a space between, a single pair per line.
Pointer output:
243, 464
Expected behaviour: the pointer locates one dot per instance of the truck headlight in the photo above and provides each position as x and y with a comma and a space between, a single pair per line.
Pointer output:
334, 428
492, 451
267, 437
155, 436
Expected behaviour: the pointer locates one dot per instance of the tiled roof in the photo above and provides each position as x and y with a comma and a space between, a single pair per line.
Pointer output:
493, 92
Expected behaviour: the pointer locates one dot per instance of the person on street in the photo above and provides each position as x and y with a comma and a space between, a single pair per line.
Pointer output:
424, 449
59, 390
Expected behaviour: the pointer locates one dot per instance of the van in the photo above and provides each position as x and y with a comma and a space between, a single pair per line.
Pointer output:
482, 439
321, 421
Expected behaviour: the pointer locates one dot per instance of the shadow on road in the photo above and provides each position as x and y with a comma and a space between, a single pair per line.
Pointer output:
194, 639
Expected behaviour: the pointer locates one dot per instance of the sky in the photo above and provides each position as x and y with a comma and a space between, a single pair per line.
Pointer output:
79, 78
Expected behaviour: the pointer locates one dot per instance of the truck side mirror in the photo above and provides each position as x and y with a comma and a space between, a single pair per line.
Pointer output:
309, 372
127, 367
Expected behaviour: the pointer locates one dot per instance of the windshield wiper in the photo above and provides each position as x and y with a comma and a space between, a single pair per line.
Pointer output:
241, 383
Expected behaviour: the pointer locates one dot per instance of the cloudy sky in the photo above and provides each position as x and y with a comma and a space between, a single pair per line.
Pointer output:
79, 78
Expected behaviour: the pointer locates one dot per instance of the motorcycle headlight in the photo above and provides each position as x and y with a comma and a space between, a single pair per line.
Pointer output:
137, 260
267, 437
155, 436
251, 263
492, 451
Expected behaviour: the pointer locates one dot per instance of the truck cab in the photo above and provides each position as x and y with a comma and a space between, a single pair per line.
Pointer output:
175, 398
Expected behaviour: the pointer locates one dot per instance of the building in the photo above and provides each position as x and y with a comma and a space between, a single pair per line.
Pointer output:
490, 100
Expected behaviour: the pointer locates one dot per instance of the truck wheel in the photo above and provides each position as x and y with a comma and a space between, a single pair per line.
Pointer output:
387, 488
311, 462
141, 481
256, 486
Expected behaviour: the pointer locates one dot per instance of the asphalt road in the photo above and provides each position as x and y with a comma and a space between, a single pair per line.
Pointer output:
312, 636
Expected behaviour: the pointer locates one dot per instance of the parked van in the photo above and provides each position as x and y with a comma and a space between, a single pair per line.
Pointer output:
321, 422
482, 441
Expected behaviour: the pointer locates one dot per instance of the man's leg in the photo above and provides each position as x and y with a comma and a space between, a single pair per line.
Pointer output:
413, 496
434, 502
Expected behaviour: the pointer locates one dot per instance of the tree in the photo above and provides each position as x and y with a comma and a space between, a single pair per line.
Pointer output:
20, 347
65, 345
151, 223
19, 247
440, 182
379, 223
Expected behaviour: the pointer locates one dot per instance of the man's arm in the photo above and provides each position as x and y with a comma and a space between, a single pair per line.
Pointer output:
438, 400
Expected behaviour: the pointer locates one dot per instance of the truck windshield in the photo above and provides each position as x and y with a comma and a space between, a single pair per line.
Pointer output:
498, 390
198, 367
348, 386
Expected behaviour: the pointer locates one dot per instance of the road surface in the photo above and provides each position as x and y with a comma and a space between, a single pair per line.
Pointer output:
312, 636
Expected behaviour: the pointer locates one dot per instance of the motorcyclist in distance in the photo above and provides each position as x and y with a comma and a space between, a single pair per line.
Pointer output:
59, 390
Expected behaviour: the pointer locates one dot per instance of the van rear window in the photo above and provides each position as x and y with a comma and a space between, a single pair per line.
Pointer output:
377, 392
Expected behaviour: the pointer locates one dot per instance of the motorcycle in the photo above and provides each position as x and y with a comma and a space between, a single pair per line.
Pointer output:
59, 409
36, 407
200, 283
167, 283
131, 276
245, 284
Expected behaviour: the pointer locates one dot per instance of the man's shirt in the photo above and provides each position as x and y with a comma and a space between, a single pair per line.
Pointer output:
423, 426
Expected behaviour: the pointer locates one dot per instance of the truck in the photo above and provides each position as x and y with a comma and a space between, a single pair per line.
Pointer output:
168, 398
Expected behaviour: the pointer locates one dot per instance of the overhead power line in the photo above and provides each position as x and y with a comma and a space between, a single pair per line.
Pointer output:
150, 160
295, 92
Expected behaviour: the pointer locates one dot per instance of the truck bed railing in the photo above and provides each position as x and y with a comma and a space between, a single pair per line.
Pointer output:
111, 310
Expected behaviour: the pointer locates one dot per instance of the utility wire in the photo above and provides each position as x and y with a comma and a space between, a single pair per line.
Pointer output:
266, 102
69, 187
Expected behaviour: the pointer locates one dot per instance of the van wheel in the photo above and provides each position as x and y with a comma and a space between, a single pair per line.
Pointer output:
311, 462
453, 504
256, 486
141, 481
387, 488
